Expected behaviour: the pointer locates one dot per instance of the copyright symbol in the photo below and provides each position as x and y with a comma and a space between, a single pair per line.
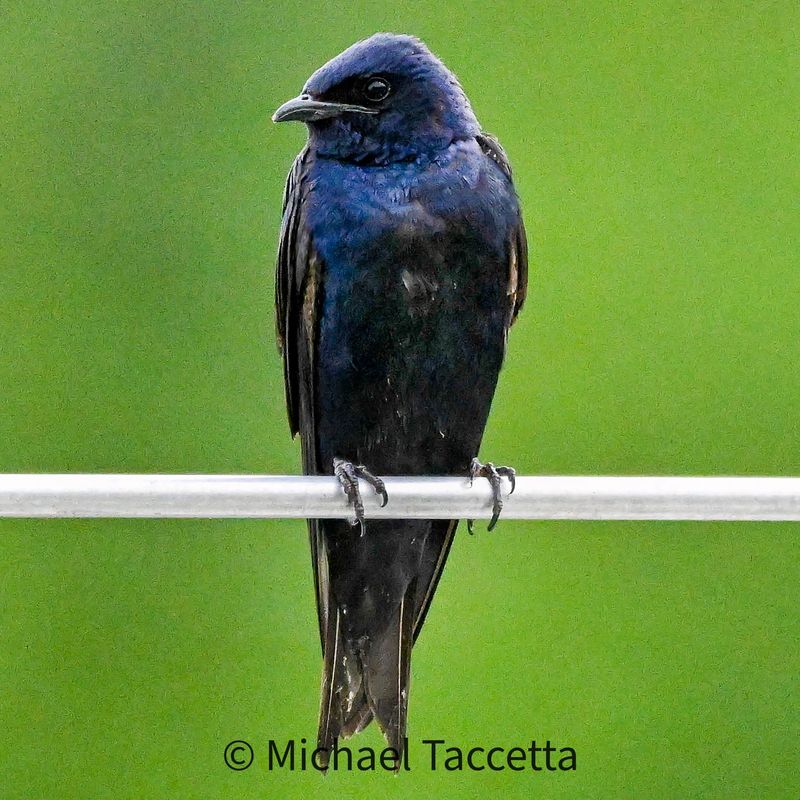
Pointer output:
238, 755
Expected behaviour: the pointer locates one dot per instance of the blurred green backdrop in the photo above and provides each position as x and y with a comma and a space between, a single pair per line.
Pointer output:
656, 152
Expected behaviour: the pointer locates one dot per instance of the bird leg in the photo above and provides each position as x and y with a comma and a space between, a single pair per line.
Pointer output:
493, 474
348, 473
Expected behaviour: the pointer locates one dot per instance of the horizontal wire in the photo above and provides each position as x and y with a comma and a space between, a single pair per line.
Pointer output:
285, 496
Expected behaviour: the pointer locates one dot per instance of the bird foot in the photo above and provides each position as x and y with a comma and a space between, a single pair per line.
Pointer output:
493, 474
348, 474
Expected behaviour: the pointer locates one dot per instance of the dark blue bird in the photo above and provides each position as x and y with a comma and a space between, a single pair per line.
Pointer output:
402, 264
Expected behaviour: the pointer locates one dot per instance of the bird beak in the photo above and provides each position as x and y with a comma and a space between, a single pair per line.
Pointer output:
305, 109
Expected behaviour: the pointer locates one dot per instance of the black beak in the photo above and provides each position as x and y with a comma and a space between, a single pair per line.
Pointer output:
305, 109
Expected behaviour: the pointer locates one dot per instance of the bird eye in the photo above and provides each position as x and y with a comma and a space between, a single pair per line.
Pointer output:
376, 89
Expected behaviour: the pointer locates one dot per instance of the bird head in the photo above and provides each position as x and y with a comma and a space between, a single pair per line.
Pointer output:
384, 99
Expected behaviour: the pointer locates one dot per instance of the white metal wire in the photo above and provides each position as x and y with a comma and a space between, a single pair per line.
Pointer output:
276, 496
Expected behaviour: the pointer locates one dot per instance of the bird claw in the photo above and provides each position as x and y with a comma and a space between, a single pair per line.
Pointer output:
348, 474
493, 475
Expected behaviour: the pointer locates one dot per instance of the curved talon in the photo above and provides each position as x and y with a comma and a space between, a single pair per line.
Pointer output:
348, 474
375, 482
493, 475
511, 474
497, 505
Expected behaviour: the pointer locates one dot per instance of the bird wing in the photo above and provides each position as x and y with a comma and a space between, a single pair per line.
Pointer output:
518, 243
290, 275
442, 533
297, 281
437, 549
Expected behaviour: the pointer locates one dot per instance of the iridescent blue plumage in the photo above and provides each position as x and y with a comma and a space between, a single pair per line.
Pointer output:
402, 265
427, 109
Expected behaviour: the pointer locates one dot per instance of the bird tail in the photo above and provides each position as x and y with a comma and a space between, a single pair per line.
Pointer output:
366, 679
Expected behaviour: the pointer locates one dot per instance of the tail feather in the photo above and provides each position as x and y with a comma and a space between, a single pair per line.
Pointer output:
387, 665
356, 712
359, 717
365, 680
330, 717
344, 705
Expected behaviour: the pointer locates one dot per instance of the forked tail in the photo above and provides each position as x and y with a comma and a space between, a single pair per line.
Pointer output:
366, 678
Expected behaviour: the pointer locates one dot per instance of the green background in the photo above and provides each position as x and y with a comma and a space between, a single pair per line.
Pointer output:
655, 149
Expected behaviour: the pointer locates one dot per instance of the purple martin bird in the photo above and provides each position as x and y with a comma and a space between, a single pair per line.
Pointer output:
402, 264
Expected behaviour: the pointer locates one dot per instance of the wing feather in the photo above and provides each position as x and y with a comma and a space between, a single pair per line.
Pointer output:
518, 244
297, 294
290, 275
